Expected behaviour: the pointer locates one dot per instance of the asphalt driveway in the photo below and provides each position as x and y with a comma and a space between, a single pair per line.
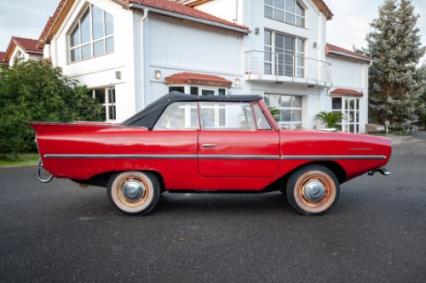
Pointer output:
376, 233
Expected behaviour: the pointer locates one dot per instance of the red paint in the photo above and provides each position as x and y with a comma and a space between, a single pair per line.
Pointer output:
201, 173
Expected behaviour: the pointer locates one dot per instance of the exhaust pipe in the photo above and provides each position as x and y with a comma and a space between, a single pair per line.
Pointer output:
382, 171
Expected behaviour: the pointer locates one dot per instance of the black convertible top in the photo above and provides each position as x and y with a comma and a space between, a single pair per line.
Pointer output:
149, 116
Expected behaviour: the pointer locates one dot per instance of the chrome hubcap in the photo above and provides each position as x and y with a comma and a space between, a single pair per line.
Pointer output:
314, 191
133, 190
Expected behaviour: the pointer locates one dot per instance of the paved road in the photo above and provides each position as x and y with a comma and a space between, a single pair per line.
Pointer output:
376, 233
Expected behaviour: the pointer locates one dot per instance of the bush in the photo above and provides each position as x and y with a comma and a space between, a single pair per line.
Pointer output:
330, 119
36, 91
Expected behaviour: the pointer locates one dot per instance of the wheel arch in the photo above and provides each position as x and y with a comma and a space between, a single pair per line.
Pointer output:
335, 167
101, 180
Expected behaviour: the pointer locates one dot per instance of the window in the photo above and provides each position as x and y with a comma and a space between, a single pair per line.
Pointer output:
349, 107
92, 35
290, 108
207, 92
198, 90
268, 53
226, 116
194, 90
106, 96
284, 55
179, 116
286, 11
261, 121
177, 88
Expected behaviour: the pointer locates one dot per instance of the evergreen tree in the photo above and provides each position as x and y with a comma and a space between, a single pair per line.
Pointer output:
395, 47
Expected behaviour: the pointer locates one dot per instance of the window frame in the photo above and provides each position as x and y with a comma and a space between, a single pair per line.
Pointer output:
345, 124
286, 13
298, 70
198, 128
256, 104
187, 89
76, 26
288, 108
253, 129
106, 104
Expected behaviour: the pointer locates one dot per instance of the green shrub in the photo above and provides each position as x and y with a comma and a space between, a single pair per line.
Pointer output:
36, 91
330, 119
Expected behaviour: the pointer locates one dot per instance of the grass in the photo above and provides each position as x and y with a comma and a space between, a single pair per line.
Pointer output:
21, 160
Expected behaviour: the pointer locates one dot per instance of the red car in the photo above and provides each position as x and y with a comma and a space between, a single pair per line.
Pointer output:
184, 143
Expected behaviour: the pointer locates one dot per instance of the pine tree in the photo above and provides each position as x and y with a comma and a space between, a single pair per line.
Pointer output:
395, 47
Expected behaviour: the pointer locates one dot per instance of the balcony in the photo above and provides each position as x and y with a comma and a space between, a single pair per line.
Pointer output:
286, 67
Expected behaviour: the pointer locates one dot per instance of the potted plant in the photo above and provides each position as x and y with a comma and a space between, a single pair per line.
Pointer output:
329, 119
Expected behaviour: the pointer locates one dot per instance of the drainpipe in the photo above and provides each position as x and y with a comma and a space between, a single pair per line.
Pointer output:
145, 72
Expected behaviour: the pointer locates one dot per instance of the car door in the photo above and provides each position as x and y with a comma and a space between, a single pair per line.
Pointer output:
232, 142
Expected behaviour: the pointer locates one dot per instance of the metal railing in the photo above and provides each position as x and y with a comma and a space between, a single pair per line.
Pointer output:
282, 66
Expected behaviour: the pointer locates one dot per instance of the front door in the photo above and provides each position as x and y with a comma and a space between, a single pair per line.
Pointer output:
230, 143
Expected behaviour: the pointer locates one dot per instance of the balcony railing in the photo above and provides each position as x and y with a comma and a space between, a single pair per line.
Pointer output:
282, 67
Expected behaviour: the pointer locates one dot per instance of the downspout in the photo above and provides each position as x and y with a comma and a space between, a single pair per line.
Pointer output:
145, 72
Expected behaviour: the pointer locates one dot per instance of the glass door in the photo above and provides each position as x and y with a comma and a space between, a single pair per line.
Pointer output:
349, 107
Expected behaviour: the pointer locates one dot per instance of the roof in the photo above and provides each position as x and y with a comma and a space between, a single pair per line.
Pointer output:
346, 92
2, 57
149, 116
339, 51
323, 7
320, 4
29, 45
164, 7
198, 79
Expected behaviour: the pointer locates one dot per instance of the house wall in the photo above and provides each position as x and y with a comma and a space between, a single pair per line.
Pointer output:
352, 74
25, 55
174, 46
101, 71
146, 44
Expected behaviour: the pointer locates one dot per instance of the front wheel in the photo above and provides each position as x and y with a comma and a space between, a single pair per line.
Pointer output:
134, 193
312, 189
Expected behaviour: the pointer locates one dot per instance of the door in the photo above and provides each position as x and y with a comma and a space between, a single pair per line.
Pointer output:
232, 142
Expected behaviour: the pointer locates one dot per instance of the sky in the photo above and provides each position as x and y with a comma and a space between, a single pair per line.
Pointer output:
348, 27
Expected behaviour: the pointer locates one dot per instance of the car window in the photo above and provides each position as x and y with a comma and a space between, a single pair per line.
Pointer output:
261, 122
226, 116
179, 116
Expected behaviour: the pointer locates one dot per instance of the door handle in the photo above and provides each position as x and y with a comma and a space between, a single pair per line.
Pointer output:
208, 145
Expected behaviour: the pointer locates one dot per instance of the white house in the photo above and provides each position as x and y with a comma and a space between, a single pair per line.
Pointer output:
20, 48
130, 52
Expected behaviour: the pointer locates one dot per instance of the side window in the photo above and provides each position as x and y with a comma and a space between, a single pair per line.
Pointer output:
226, 116
179, 116
261, 121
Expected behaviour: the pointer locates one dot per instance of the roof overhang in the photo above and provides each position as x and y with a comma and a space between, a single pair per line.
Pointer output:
197, 79
339, 92
345, 53
187, 17
61, 12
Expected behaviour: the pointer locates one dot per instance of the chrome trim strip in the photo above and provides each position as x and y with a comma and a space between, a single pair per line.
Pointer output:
248, 157
160, 156
333, 157
121, 156
215, 156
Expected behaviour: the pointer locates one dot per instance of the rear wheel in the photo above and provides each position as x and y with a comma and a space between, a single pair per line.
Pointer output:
312, 189
134, 193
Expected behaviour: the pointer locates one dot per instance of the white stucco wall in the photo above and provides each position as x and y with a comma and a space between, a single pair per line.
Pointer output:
24, 55
352, 74
174, 46
101, 71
